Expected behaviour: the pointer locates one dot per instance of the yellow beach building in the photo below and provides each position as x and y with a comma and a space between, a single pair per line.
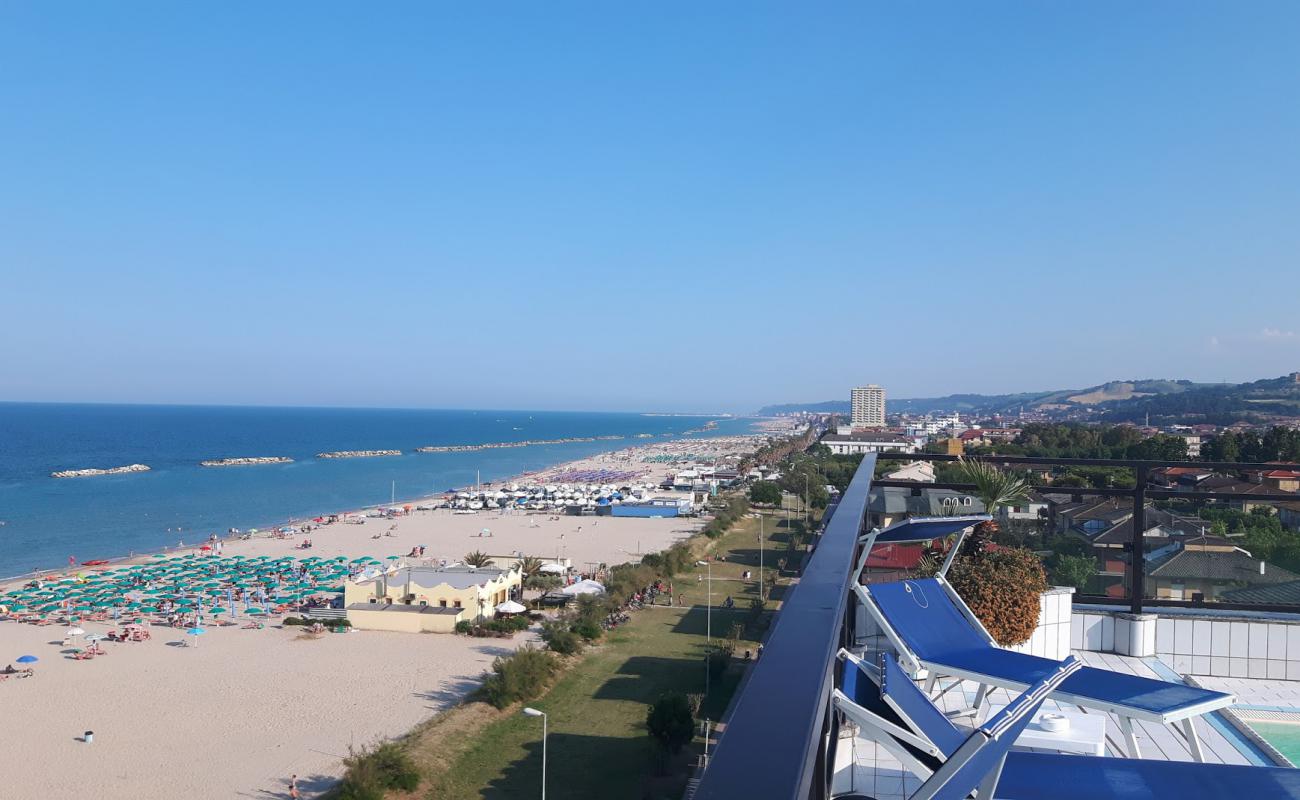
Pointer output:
427, 599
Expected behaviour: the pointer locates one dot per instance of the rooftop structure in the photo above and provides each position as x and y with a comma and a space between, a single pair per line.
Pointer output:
785, 737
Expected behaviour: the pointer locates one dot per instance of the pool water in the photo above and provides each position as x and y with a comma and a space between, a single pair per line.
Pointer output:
1285, 736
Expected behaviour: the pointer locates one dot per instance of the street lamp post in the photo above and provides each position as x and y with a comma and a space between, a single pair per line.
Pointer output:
760, 558
532, 712
708, 628
708, 625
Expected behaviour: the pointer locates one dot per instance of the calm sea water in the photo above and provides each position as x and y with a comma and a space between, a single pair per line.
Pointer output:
48, 519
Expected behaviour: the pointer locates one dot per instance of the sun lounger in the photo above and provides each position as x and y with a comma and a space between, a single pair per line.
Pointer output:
893, 712
932, 629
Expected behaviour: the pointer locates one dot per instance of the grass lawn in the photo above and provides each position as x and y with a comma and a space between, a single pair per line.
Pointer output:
598, 746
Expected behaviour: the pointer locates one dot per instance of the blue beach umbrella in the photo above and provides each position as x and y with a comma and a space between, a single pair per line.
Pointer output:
27, 659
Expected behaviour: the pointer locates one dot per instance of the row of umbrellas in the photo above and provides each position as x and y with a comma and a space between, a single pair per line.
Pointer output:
189, 584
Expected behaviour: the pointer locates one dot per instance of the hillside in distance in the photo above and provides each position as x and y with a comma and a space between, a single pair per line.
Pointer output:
1112, 392
1262, 401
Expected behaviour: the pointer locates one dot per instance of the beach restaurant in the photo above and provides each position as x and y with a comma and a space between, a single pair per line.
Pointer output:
426, 599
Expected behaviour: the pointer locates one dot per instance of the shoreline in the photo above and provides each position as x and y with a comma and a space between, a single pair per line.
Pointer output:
760, 431
381, 684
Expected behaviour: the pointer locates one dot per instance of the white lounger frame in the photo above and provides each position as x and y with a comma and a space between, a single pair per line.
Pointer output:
1181, 720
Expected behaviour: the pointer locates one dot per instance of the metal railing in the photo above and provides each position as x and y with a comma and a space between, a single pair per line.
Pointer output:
780, 739
1139, 494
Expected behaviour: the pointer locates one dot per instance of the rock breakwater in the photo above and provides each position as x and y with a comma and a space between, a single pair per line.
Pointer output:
359, 453
86, 473
239, 462
469, 448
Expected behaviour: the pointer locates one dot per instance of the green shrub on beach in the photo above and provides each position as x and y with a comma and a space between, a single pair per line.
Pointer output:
627, 579
506, 625
329, 623
590, 631
371, 772
560, 638
520, 677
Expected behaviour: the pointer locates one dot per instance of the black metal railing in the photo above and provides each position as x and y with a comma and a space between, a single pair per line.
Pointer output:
780, 739
1139, 494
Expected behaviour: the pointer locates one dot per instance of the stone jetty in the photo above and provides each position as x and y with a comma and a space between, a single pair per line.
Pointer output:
359, 453
469, 448
240, 462
86, 473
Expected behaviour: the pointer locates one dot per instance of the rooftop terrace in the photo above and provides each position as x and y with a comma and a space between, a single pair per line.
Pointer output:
785, 738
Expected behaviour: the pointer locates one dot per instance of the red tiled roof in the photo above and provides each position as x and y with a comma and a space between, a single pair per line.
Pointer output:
1182, 470
895, 556
903, 556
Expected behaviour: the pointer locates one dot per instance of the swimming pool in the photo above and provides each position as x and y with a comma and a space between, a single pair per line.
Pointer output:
1285, 736
1273, 731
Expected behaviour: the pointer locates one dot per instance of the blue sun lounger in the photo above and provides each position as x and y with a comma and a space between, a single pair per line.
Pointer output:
932, 629
891, 711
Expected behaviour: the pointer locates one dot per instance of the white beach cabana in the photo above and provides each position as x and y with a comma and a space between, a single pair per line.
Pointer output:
586, 586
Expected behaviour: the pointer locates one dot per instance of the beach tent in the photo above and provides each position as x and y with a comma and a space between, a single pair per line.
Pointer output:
587, 586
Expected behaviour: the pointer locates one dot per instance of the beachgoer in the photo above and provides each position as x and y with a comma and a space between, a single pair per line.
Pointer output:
293, 787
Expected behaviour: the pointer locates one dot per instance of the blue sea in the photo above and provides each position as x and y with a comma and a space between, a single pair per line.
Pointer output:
48, 519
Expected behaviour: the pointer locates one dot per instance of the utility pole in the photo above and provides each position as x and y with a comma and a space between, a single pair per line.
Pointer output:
761, 586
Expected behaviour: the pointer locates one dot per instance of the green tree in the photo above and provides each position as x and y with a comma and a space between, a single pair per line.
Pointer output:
995, 487
767, 492
1073, 571
529, 565
1223, 447
1160, 447
670, 722
477, 559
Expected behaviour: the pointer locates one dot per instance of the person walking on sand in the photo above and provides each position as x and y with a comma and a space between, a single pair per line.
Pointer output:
293, 787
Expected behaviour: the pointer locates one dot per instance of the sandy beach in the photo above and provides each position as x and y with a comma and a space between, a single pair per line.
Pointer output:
243, 710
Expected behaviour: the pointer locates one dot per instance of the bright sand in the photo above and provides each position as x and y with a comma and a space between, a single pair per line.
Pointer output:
243, 710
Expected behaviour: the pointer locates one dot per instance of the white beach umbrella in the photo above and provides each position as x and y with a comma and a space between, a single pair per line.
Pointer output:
75, 632
584, 587
511, 607
554, 569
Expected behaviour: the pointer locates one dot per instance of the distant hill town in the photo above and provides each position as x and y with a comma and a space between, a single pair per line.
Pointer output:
1155, 400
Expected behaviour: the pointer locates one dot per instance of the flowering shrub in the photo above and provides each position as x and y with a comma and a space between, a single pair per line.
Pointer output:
1002, 587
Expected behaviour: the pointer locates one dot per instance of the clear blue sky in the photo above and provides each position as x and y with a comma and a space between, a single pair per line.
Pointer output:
642, 206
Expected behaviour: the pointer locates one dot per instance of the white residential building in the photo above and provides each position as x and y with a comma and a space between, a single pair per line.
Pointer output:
853, 443
868, 403
922, 471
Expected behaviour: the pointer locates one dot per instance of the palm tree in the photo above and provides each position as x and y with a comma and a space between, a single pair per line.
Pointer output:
995, 488
528, 565
477, 559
